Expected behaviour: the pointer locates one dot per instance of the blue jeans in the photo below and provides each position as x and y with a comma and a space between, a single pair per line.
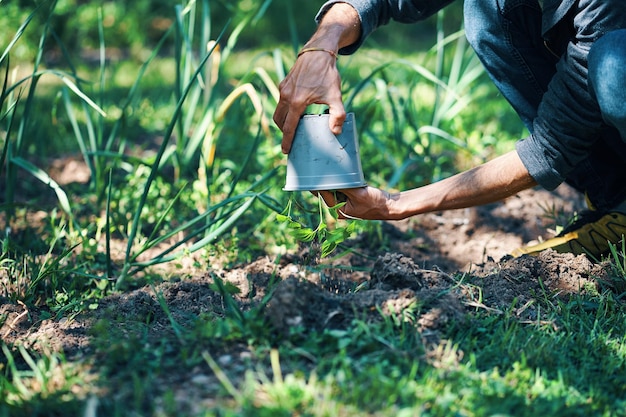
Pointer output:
506, 35
607, 78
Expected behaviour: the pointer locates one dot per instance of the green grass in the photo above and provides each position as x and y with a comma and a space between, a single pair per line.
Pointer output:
496, 366
185, 165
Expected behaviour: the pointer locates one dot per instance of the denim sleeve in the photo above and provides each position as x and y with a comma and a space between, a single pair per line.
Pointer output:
569, 121
376, 13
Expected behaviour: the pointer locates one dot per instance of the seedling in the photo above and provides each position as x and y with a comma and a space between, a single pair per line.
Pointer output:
328, 238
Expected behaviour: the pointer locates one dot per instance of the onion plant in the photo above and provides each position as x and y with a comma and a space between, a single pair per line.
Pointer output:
201, 111
11, 101
206, 110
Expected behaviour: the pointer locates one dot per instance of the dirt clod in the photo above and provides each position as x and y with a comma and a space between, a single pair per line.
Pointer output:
394, 270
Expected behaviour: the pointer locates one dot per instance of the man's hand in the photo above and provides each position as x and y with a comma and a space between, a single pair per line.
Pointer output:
364, 203
314, 79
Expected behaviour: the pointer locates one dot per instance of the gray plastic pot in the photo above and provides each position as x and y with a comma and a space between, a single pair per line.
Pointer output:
319, 160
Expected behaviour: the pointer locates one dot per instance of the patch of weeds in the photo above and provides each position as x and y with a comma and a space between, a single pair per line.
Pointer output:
34, 384
130, 360
124, 200
617, 268
52, 280
229, 251
576, 353
235, 324
519, 391
558, 219
360, 370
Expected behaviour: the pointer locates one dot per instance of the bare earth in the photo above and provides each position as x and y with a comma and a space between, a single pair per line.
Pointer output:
414, 261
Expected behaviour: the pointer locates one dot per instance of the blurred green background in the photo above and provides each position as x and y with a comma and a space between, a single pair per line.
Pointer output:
137, 25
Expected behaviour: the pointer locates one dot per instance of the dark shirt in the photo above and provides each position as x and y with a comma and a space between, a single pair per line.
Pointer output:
569, 120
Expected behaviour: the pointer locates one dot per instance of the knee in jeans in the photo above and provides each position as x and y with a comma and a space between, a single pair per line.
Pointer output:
486, 20
480, 18
607, 75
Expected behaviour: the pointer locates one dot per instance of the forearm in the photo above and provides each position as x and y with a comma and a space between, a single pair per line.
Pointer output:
488, 183
339, 27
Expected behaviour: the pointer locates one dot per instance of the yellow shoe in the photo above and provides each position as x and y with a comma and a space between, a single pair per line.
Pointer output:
589, 235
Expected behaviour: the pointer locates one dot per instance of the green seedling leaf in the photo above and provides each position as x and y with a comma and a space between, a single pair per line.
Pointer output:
328, 247
42, 176
349, 230
282, 218
337, 206
334, 210
17, 36
294, 225
328, 238
337, 236
305, 234
82, 95
226, 290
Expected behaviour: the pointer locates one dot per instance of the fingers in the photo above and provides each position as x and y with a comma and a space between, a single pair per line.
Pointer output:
286, 117
332, 198
289, 109
314, 79
337, 115
292, 118
328, 196
340, 197
289, 130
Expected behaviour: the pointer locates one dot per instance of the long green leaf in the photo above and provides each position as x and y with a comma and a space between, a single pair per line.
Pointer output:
163, 257
7, 137
18, 34
419, 69
198, 224
159, 155
78, 134
107, 232
10, 110
80, 94
65, 78
135, 87
150, 242
45, 178
444, 135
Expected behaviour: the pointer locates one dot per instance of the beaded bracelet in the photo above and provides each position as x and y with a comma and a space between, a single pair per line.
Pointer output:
333, 53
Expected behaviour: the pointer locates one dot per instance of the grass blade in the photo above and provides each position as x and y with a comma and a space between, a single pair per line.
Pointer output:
167, 255
159, 155
18, 35
107, 232
80, 94
42, 176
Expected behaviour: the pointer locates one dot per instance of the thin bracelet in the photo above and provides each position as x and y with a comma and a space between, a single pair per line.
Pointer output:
305, 50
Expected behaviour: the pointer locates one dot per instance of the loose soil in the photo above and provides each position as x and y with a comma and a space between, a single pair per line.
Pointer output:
422, 260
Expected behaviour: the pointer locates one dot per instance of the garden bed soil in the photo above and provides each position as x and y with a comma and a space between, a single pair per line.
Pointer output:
424, 260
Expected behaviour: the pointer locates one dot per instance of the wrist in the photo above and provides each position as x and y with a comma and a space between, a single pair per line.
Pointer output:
325, 38
339, 27
332, 52
392, 207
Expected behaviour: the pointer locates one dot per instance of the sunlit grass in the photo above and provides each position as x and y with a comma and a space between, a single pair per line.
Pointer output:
186, 163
